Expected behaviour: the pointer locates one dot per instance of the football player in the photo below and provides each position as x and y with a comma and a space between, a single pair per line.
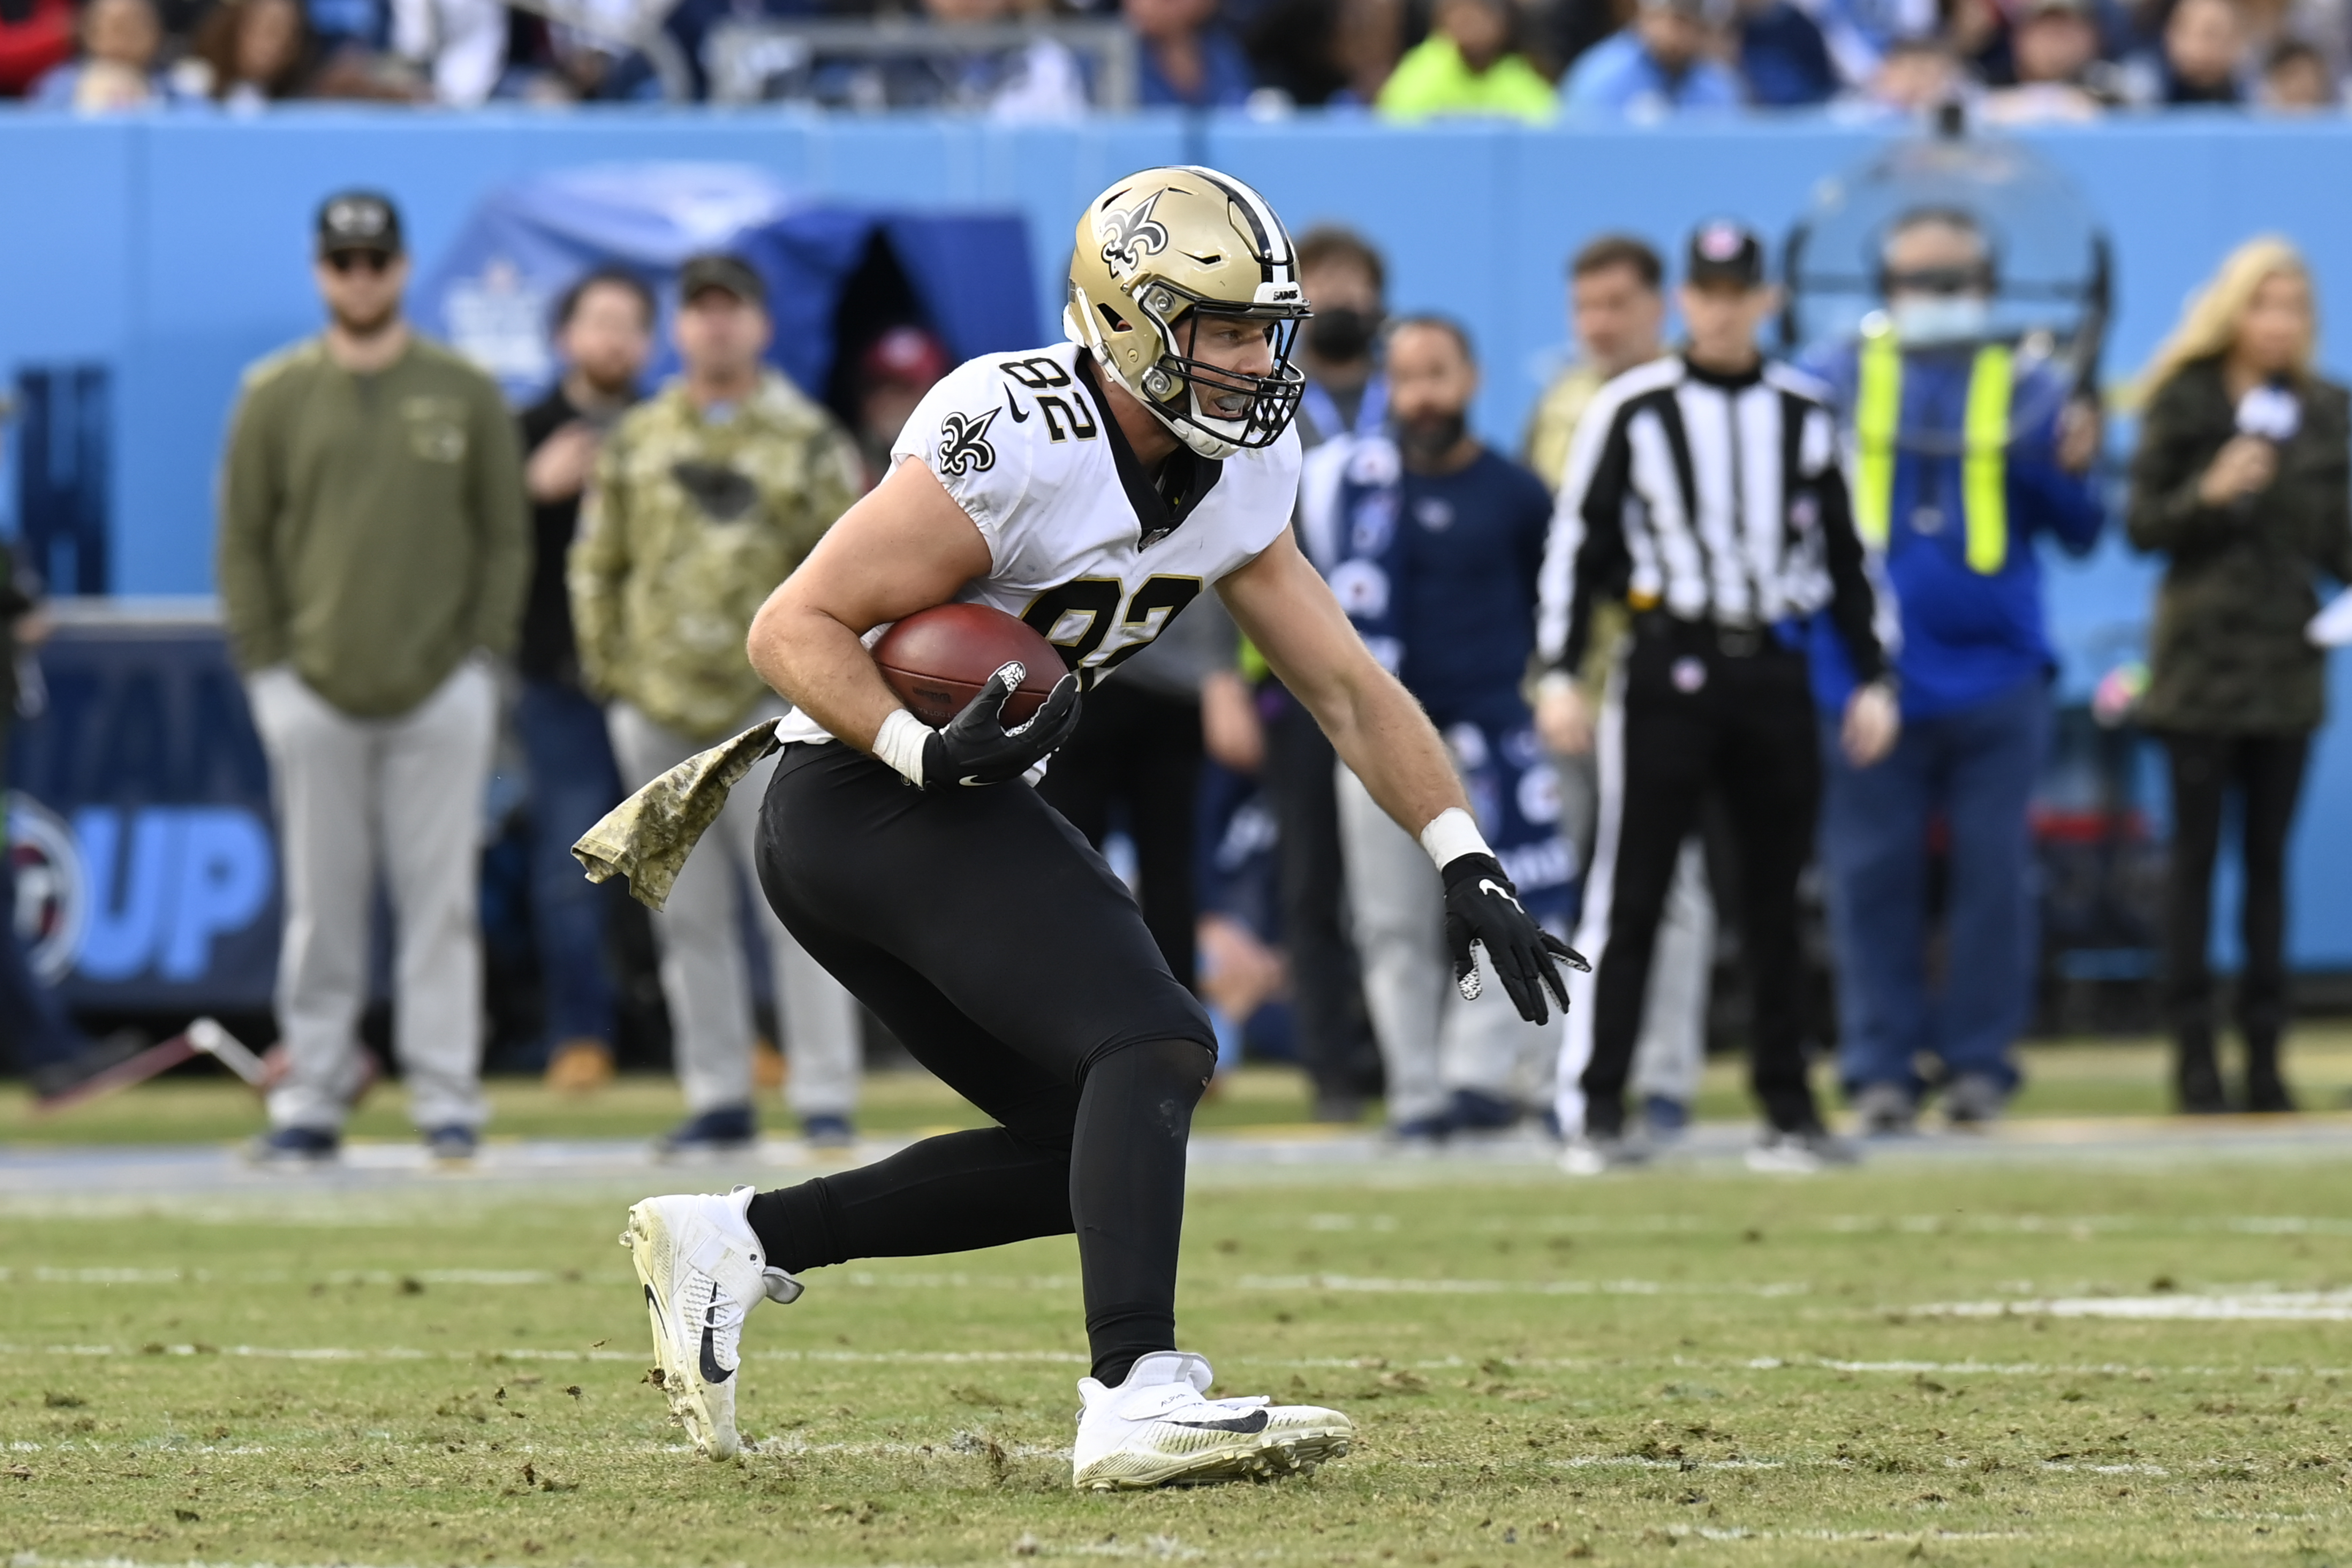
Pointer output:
1093, 488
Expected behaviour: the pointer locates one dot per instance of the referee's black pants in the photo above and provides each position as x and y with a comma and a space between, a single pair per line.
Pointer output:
1005, 954
1699, 709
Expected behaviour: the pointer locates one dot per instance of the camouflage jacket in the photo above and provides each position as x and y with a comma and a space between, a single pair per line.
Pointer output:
2227, 652
1552, 425
687, 527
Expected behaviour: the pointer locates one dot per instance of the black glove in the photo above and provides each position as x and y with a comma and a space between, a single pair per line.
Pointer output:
977, 749
1483, 908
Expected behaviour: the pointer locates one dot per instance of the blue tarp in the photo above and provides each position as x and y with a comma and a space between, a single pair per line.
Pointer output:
526, 242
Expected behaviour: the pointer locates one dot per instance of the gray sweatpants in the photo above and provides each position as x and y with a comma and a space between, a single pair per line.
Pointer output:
703, 973
402, 798
1431, 1042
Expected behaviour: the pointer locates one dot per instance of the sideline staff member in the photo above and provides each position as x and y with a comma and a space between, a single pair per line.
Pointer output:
1953, 475
1435, 542
372, 554
1705, 489
705, 496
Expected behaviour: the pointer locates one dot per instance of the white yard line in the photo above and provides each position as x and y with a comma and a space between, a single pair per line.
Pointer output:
51, 1276
2266, 1306
1376, 1285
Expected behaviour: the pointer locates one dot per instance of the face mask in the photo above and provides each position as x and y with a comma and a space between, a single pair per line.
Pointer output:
1929, 318
1431, 438
1342, 333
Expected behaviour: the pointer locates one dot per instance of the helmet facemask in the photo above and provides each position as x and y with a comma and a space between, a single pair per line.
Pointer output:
1185, 391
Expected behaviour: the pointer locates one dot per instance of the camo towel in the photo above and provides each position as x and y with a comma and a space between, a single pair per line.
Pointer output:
647, 837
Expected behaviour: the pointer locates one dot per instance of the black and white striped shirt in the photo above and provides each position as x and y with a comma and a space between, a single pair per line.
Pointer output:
1718, 499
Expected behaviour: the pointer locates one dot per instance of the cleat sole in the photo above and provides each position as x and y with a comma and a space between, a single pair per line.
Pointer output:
682, 1380
1295, 1453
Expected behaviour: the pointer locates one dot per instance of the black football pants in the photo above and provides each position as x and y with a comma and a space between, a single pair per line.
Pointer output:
1140, 749
1002, 952
1697, 716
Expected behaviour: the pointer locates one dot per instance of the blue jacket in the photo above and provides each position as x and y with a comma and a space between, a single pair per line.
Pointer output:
1617, 79
1968, 636
1226, 79
1472, 545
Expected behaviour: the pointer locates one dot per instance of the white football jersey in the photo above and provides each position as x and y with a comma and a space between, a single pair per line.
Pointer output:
1080, 543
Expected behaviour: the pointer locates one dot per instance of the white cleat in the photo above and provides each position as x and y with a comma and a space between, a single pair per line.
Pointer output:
703, 1271
1157, 1429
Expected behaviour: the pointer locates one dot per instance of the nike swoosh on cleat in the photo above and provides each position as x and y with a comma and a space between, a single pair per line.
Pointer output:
711, 1371
1255, 1421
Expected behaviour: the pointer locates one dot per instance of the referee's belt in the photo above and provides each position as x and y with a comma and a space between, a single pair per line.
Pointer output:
1706, 636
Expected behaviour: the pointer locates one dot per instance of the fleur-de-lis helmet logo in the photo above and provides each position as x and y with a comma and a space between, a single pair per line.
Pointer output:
1130, 234
963, 444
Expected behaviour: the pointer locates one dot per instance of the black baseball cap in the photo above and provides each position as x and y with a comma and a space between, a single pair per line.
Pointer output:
1724, 250
359, 220
723, 271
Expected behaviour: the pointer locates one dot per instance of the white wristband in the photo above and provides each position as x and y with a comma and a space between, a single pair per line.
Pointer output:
1451, 835
1553, 680
900, 742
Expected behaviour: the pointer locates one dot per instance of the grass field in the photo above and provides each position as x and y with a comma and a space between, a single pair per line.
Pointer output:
1919, 1362
2066, 1078
1682, 1366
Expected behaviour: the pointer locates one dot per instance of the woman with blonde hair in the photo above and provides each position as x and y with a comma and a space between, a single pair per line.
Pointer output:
2243, 480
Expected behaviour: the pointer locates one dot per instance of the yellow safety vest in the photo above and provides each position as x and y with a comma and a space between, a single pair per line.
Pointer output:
1878, 416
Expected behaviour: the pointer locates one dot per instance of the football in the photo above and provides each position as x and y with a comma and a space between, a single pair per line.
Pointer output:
936, 661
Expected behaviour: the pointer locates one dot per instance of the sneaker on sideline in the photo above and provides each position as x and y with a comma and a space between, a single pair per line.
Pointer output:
453, 1144
1665, 1118
1974, 1101
579, 1066
1598, 1153
1800, 1152
1475, 1111
729, 1130
828, 1131
294, 1148
1885, 1111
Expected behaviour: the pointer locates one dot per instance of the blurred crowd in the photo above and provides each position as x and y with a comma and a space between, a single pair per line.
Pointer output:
2018, 61
1710, 621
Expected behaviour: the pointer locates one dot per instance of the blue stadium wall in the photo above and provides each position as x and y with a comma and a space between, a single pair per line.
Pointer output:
172, 251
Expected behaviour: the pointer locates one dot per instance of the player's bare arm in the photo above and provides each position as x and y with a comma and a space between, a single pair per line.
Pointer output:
904, 547
1283, 607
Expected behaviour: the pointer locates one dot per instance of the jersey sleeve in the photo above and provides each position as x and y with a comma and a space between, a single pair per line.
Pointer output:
1265, 494
963, 432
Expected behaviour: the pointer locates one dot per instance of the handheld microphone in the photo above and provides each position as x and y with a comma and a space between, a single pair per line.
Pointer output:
2271, 413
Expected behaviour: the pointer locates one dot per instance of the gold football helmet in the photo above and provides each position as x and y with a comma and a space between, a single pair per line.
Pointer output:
1156, 254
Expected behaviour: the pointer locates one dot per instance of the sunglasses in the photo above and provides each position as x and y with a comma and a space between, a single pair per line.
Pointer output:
349, 261
1938, 280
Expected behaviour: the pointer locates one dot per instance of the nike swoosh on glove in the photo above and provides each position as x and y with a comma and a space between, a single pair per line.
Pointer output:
977, 749
1482, 910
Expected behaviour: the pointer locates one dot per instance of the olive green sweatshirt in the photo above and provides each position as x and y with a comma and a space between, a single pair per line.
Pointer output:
372, 528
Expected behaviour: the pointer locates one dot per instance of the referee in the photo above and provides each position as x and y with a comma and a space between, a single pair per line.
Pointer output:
1704, 489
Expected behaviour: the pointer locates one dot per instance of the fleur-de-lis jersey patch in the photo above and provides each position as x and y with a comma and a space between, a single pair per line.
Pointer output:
963, 444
